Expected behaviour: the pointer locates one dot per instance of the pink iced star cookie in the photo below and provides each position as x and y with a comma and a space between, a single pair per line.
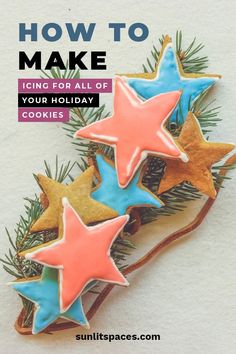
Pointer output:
81, 255
136, 129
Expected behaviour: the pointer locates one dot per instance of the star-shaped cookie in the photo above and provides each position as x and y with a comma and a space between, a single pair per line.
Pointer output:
44, 292
81, 255
202, 155
170, 76
109, 193
78, 193
135, 129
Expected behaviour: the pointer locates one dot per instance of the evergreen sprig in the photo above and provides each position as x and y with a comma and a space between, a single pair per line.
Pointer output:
14, 264
175, 200
61, 74
188, 56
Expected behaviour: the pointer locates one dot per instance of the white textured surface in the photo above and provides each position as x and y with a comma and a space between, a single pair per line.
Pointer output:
188, 293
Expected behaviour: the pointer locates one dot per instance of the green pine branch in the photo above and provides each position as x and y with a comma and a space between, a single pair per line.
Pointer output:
175, 200
207, 115
189, 56
61, 74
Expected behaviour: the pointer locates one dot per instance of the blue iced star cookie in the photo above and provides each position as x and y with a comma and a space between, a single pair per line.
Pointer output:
44, 293
171, 77
120, 199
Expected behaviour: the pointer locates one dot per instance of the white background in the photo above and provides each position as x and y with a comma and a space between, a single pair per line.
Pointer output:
187, 294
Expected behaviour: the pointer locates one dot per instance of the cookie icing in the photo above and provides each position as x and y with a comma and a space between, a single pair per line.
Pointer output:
109, 193
171, 77
44, 292
81, 255
135, 130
